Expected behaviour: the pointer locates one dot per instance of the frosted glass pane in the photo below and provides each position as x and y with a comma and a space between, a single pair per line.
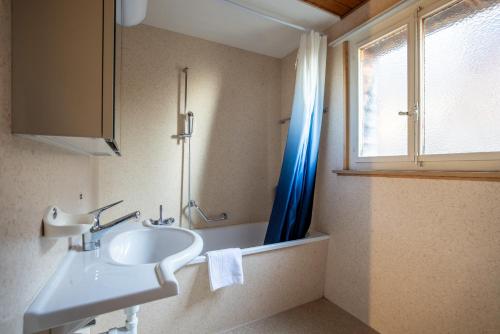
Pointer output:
383, 93
462, 79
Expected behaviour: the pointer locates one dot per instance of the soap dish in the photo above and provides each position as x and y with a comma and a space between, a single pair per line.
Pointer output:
57, 223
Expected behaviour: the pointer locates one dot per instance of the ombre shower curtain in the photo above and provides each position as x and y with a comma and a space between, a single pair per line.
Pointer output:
292, 208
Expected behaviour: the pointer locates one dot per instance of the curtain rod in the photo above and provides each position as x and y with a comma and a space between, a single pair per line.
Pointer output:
377, 18
267, 16
287, 119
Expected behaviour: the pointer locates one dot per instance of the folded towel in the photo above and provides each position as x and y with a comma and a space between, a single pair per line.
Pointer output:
224, 268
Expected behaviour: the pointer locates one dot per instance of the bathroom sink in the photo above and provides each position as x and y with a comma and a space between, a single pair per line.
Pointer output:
150, 246
134, 265
169, 247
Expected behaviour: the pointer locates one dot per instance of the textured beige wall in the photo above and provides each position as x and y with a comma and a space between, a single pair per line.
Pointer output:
407, 256
235, 96
32, 177
287, 91
274, 281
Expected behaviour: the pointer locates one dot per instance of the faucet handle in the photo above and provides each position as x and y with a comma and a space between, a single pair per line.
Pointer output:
161, 221
97, 212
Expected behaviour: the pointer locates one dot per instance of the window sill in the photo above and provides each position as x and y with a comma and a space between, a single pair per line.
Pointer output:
442, 175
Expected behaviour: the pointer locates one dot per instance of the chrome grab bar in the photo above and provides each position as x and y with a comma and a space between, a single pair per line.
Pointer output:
221, 217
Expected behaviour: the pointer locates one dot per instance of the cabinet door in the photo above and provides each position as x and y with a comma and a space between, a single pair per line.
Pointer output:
111, 77
57, 67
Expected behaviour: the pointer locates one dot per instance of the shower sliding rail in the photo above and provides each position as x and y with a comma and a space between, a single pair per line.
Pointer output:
186, 135
221, 217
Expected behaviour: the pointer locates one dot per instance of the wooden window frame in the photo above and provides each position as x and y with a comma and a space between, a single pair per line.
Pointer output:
412, 14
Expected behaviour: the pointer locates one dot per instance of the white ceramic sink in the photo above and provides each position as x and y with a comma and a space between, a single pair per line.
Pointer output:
150, 246
169, 247
135, 265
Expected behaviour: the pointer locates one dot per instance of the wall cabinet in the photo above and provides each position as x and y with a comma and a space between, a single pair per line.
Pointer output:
66, 58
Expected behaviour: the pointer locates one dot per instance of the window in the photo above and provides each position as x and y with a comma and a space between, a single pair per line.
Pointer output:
383, 89
461, 79
425, 88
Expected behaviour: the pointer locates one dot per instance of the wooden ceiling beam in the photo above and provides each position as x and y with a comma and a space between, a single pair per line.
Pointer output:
338, 7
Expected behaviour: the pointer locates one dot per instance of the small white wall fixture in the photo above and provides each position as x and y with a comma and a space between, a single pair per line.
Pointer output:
131, 12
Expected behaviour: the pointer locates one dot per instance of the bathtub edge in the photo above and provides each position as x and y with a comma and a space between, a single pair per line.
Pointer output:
315, 237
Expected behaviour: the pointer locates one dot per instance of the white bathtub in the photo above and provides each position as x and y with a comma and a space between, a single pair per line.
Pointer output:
248, 237
274, 282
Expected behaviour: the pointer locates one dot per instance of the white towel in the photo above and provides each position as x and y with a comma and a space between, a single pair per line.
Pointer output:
225, 268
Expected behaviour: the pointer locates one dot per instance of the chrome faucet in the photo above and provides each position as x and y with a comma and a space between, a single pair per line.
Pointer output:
161, 221
92, 238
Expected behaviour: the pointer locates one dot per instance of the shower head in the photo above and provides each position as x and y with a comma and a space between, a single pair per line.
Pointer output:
190, 121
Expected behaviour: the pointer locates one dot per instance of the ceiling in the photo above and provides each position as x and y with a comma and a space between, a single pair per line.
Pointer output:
337, 7
222, 22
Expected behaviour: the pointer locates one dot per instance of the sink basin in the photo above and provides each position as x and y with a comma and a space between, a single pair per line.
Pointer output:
149, 246
169, 247
135, 265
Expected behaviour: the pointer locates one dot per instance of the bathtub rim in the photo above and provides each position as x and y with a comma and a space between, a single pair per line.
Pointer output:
313, 236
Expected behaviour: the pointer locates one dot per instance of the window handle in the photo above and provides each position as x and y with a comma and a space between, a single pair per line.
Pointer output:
410, 113
406, 113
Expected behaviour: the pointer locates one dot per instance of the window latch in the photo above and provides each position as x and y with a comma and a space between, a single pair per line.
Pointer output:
409, 113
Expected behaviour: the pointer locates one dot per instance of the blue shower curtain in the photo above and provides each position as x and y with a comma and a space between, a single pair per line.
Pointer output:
292, 208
